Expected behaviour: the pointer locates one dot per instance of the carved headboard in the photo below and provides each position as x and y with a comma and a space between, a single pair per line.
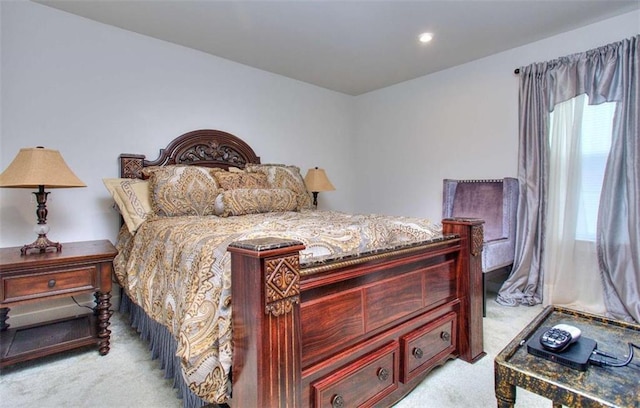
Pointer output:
206, 147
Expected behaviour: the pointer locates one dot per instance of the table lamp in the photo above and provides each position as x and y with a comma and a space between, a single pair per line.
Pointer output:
316, 180
39, 168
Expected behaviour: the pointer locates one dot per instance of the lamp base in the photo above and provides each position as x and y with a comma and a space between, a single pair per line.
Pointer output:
42, 243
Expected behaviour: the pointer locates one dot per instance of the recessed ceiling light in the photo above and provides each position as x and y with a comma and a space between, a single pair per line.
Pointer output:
425, 37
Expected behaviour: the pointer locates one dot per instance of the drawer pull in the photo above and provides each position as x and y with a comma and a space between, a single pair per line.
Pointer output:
52, 283
337, 401
417, 353
445, 336
383, 374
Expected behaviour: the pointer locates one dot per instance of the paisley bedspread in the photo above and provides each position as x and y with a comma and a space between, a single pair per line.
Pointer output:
178, 270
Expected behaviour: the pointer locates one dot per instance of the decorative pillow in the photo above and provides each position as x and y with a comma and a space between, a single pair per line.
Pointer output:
182, 190
283, 176
238, 179
132, 198
255, 200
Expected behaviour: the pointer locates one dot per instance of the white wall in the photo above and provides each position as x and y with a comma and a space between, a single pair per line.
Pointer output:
93, 91
458, 123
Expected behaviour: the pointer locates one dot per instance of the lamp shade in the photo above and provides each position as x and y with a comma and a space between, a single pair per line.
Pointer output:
317, 180
37, 166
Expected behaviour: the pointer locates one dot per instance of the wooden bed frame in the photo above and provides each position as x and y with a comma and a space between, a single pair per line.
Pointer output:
358, 332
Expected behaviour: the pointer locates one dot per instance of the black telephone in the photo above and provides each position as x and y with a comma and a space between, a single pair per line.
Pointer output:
559, 337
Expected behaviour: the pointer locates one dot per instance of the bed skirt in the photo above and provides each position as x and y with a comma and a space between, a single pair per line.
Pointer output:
162, 346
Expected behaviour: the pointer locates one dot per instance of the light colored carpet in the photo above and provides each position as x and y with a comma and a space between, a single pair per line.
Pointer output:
127, 377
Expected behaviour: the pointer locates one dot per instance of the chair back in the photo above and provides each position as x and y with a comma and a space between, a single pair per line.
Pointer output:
481, 199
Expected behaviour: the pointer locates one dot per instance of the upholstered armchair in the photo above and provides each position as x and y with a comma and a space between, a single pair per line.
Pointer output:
496, 202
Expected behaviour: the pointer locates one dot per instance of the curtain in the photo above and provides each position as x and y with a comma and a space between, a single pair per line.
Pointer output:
618, 232
524, 284
606, 74
570, 258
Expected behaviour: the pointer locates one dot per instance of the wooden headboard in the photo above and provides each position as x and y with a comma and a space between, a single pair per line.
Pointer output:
206, 147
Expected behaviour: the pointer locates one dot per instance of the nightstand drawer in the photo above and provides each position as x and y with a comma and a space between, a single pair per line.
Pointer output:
36, 286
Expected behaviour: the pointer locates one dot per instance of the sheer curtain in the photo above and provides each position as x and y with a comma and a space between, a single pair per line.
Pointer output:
606, 74
579, 142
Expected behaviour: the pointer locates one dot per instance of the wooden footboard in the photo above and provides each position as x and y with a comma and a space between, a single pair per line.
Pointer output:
361, 332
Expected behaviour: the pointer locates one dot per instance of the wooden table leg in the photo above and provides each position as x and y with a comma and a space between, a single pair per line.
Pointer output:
505, 391
506, 396
103, 311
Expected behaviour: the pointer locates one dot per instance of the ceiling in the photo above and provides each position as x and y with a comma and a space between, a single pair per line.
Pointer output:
348, 46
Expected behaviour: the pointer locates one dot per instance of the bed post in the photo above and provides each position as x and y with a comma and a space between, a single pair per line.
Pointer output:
265, 299
470, 274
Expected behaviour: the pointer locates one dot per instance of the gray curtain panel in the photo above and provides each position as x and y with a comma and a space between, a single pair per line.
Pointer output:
524, 285
606, 74
618, 230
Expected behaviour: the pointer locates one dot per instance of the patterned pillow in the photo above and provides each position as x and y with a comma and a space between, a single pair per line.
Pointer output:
182, 190
239, 179
283, 176
255, 200
132, 198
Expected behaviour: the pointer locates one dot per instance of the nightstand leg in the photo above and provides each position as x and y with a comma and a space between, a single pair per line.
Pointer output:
4, 316
103, 310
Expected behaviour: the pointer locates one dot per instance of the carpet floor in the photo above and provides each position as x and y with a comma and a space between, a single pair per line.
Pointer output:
127, 377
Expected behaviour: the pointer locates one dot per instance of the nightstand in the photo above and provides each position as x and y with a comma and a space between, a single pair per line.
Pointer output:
80, 268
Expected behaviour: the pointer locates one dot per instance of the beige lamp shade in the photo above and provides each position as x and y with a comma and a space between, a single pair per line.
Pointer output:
316, 180
37, 166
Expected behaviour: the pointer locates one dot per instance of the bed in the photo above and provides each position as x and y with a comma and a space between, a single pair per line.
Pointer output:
305, 323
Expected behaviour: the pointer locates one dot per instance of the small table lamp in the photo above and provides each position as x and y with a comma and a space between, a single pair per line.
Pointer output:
39, 168
316, 180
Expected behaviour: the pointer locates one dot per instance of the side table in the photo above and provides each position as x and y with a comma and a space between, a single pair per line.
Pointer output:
596, 387
80, 268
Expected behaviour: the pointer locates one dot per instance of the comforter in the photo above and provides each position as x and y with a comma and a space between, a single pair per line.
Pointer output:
178, 270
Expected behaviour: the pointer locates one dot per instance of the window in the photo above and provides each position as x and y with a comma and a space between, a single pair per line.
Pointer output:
579, 144
593, 137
